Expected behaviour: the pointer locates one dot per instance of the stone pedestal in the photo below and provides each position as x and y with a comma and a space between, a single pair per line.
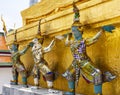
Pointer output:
19, 90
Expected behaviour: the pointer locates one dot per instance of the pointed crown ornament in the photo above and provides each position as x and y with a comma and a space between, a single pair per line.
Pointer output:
76, 21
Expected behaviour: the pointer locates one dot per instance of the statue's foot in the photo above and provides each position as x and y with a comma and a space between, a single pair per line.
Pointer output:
53, 91
112, 77
69, 93
12, 82
35, 87
108, 77
99, 94
25, 85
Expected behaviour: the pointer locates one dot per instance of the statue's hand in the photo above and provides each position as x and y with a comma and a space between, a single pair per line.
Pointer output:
60, 37
66, 43
108, 28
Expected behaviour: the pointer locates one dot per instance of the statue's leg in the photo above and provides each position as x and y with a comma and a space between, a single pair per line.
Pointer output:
21, 69
97, 75
36, 75
15, 76
71, 85
70, 76
49, 76
24, 78
36, 81
98, 89
108, 76
93, 75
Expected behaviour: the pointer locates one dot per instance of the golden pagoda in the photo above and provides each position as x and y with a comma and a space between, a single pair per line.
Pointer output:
56, 19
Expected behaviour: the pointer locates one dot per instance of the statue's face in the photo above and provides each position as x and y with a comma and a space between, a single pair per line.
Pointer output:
35, 41
76, 32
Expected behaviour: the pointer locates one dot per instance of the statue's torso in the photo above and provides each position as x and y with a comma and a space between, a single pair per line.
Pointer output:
78, 49
81, 58
16, 57
37, 53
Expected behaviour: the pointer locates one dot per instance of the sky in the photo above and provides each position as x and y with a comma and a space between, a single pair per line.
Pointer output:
10, 11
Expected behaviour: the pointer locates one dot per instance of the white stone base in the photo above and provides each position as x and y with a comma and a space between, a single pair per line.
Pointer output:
19, 90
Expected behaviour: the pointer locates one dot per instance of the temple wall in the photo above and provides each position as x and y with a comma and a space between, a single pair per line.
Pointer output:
5, 63
3, 45
94, 14
5, 56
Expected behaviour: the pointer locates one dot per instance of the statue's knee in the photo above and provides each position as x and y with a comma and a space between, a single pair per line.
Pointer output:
68, 75
65, 74
50, 78
97, 76
96, 72
97, 81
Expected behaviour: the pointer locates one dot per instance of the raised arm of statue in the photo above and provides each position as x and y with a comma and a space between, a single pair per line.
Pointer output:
26, 48
47, 49
68, 40
92, 40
